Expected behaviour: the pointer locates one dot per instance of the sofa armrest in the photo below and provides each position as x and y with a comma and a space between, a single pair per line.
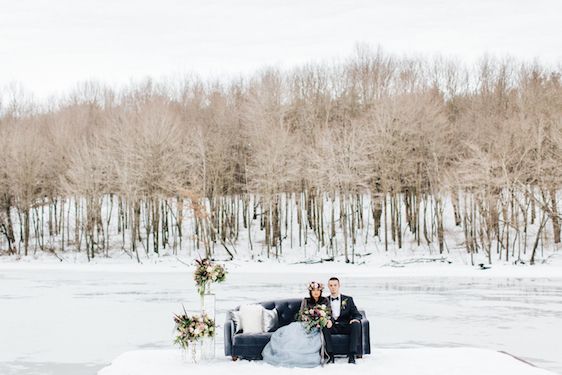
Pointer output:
228, 336
365, 344
365, 336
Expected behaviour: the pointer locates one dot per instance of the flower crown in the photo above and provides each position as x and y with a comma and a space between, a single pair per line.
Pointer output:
315, 285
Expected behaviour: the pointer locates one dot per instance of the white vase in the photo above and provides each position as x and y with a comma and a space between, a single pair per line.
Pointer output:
193, 352
208, 348
208, 305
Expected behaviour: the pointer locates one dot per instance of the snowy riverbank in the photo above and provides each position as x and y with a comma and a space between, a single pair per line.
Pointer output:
377, 265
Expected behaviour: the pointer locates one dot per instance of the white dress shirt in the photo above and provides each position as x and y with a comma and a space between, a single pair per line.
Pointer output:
336, 306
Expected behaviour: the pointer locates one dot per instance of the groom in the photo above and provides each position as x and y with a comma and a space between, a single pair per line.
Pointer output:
345, 320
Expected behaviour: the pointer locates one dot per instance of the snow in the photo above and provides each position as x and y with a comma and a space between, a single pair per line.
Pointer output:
377, 265
77, 318
430, 361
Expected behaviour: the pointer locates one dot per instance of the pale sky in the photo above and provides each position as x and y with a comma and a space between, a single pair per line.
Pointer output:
50, 45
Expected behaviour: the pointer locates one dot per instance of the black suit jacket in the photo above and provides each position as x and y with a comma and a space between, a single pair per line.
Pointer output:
348, 310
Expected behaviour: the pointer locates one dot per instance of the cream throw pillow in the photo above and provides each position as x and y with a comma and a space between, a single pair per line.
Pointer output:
236, 320
270, 319
251, 318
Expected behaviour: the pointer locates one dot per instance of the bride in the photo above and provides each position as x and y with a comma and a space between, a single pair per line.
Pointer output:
292, 345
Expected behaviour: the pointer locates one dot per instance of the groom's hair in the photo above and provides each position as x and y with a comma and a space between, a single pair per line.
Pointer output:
334, 278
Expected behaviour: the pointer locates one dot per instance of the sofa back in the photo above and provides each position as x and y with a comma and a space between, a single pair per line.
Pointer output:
287, 309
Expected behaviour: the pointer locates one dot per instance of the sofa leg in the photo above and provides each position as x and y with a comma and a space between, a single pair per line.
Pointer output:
359, 356
234, 358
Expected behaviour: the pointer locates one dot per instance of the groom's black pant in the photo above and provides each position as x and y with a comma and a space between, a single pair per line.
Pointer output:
351, 329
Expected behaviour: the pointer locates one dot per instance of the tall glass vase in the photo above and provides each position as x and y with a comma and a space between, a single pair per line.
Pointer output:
193, 353
208, 307
208, 302
208, 348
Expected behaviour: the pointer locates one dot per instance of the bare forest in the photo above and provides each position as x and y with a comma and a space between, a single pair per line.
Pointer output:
323, 160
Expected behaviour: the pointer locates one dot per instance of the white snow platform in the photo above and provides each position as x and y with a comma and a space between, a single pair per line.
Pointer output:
416, 361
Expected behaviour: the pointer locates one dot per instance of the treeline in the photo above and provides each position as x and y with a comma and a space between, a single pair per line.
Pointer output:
375, 147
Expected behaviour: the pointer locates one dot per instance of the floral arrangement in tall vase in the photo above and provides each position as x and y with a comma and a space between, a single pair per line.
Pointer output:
206, 272
196, 333
191, 332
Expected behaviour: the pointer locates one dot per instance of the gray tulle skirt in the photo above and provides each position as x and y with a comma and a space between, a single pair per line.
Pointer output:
292, 346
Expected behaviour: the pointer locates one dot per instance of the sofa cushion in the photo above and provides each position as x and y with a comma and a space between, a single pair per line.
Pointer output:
252, 339
251, 317
270, 320
235, 317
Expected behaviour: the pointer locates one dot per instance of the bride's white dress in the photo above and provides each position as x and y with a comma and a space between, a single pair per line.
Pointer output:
292, 346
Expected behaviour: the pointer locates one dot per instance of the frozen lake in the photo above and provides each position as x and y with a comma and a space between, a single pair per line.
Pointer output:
76, 322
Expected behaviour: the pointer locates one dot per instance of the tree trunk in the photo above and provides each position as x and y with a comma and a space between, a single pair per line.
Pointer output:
26, 229
554, 216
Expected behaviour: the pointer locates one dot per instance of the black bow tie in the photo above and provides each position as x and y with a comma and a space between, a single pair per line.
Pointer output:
335, 299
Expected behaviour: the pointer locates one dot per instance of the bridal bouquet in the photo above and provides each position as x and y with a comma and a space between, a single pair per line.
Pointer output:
192, 328
316, 317
206, 272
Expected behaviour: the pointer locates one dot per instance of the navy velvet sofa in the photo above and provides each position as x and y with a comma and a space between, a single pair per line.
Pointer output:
250, 345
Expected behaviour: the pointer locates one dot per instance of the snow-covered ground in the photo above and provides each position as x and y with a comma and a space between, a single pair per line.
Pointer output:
378, 263
64, 318
427, 361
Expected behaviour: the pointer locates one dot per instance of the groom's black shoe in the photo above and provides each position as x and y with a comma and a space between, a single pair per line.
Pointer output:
351, 358
331, 358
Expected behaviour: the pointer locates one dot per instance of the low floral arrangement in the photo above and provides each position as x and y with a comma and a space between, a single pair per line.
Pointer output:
206, 272
192, 328
316, 317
